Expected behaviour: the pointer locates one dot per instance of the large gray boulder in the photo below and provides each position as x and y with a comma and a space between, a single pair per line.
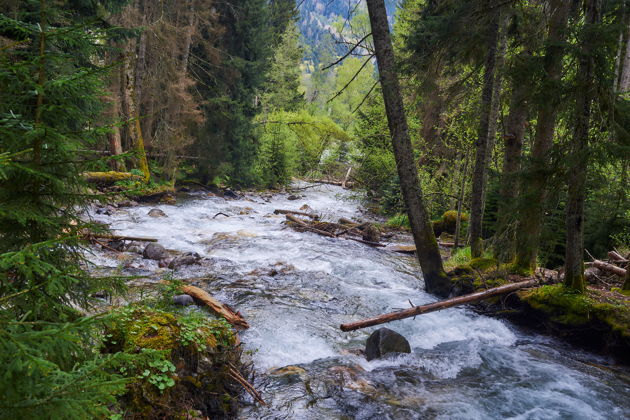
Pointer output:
154, 251
383, 341
156, 213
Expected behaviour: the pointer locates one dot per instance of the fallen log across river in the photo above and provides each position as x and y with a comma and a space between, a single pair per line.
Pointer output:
437, 306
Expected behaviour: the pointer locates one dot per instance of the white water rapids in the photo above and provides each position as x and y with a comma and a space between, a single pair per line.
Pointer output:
296, 288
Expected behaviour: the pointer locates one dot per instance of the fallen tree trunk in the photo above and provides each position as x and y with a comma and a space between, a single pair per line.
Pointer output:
234, 318
348, 184
615, 256
119, 237
432, 307
610, 268
109, 177
299, 213
305, 226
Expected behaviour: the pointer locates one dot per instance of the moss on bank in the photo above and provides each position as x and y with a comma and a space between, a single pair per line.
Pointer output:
186, 367
565, 307
598, 320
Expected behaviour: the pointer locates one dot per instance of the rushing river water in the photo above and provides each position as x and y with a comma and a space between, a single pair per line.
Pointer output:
296, 288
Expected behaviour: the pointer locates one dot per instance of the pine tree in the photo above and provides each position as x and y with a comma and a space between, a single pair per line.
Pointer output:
49, 96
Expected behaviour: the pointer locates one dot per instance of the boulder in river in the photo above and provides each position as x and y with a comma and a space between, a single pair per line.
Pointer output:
383, 341
188, 258
230, 194
293, 197
156, 213
183, 300
154, 251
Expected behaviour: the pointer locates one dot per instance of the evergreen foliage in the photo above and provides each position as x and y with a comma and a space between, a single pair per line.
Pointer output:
50, 87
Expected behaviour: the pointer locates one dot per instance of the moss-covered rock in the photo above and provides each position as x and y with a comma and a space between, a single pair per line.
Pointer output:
448, 222
187, 363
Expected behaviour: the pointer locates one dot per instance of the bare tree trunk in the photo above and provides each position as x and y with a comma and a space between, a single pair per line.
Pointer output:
114, 113
136, 97
578, 159
460, 202
426, 245
486, 124
623, 60
533, 190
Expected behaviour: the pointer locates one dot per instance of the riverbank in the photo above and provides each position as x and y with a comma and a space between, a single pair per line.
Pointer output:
598, 320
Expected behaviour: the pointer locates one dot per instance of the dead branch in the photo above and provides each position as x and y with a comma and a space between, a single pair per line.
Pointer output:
298, 213
609, 268
249, 388
92, 235
234, 318
437, 306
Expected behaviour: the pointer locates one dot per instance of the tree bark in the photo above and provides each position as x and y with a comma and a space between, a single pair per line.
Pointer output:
487, 129
533, 190
437, 306
114, 112
427, 248
460, 202
513, 138
578, 159
610, 268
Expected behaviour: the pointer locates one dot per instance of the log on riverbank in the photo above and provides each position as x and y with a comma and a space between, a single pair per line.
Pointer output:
234, 318
110, 177
437, 306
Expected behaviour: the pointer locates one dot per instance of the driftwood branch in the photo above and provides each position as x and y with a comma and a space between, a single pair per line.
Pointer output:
610, 268
298, 213
234, 318
437, 306
119, 237
234, 373
305, 226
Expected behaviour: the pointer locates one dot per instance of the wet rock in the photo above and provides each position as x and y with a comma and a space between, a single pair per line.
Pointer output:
106, 210
370, 233
117, 245
293, 197
154, 251
127, 203
230, 194
156, 213
184, 189
188, 258
135, 247
165, 262
383, 341
168, 199
183, 300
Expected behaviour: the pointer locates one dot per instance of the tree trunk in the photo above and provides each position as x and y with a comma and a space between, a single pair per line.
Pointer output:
427, 248
513, 137
460, 202
533, 189
487, 123
437, 306
578, 159
114, 112
137, 77
623, 63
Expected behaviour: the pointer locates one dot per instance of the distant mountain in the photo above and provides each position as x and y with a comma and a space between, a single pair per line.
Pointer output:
316, 16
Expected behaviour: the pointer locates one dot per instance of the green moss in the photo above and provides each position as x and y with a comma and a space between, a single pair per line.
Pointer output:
566, 307
186, 364
448, 222
483, 264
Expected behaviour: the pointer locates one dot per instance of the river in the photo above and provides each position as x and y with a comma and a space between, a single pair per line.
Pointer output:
296, 288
